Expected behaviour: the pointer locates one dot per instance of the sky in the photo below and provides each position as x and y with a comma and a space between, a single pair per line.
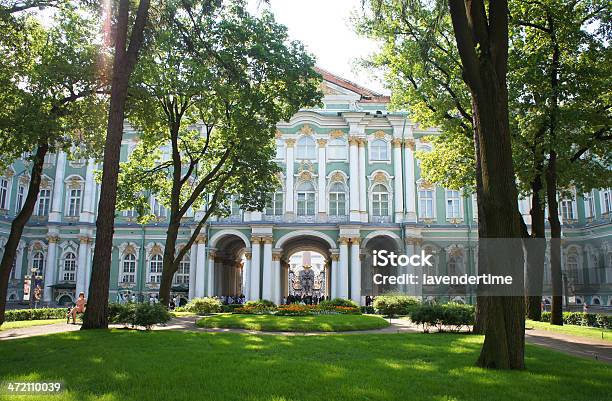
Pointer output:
324, 28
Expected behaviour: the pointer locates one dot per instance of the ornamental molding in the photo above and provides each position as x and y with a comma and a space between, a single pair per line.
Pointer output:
201, 239
305, 176
353, 140
379, 178
84, 239
45, 183
344, 240
24, 179
154, 248
409, 143
396, 143
306, 165
278, 134
290, 142
69, 245
74, 182
335, 134
423, 184
380, 135
306, 130
337, 176
53, 239
322, 142
129, 247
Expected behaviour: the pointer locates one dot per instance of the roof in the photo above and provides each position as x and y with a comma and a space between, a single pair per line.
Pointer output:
367, 95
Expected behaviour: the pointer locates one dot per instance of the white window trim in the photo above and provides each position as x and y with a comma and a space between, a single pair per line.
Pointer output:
49, 198
389, 200
592, 210
346, 198
282, 209
296, 155
328, 153
67, 182
446, 199
389, 150
603, 200
9, 186
150, 273
122, 273
63, 270
433, 194
295, 197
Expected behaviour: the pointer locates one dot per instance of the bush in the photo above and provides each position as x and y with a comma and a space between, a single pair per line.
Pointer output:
546, 317
180, 309
15, 315
604, 321
203, 306
261, 303
393, 305
147, 315
230, 308
583, 319
338, 302
295, 310
451, 316
368, 310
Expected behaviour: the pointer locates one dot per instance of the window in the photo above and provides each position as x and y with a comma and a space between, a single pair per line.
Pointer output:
607, 201
38, 263
74, 201
128, 269
567, 209
274, 207
453, 204
69, 267
235, 207
455, 265
13, 275
182, 274
379, 150
336, 149
589, 205
4, 193
21, 191
306, 199
572, 269
306, 148
130, 213
156, 265
44, 200
337, 200
426, 204
380, 201
280, 149
158, 209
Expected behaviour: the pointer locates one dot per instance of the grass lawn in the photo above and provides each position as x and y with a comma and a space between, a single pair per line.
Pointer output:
580, 331
294, 323
29, 323
127, 365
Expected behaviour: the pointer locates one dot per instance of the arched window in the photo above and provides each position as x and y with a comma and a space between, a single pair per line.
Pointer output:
337, 200
455, 265
274, 207
379, 150
38, 262
306, 199
380, 200
69, 267
596, 301
156, 265
43, 203
128, 269
426, 204
572, 269
182, 274
306, 148
336, 149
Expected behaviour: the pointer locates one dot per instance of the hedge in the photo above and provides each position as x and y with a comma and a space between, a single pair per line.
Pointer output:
583, 319
451, 316
393, 305
14, 315
203, 306
143, 314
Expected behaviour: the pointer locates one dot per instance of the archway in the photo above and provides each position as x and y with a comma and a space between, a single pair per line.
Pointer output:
226, 266
305, 268
378, 242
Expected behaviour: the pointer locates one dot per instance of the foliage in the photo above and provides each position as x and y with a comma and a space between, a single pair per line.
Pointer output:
230, 308
138, 314
261, 302
583, 319
261, 308
339, 302
203, 306
451, 316
15, 315
393, 305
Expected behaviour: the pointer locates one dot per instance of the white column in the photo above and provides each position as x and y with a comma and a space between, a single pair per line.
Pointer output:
193, 257
343, 269
354, 179
363, 196
322, 162
81, 278
210, 280
276, 273
355, 272
334, 276
88, 265
268, 278
246, 289
87, 215
410, 182
255, 267
289, 143
398, 180
200, 267
58, 188
50, 268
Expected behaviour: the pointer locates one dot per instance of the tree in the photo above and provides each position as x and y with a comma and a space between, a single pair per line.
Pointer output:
52, 99
125, 57
215, 100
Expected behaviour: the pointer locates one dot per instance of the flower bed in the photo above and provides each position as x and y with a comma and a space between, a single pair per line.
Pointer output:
297, 310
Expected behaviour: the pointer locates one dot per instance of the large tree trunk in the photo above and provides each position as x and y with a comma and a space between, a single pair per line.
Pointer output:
481, 302
482, 41
10, 248
169, 266
536, 253
555, 241
123, 65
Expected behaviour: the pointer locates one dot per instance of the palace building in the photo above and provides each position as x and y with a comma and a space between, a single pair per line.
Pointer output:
350, 184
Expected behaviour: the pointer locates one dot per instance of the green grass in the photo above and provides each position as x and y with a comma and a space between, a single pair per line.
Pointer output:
579, 331
126, 365
179, 314
29, 323
294, 323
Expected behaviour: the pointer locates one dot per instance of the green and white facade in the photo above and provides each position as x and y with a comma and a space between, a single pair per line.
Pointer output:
350, 184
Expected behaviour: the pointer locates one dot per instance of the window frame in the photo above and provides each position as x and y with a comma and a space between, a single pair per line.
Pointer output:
299, 145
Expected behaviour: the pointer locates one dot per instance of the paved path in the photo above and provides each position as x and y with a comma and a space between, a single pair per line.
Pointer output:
577, 346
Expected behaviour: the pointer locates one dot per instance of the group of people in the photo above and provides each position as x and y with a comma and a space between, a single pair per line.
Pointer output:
232, 299
304, 299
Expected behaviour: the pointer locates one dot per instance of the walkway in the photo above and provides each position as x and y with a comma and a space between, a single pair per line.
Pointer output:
576, 346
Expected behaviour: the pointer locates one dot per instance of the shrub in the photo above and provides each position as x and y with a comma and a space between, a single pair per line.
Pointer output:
546, 317
604, 321
261, 303
295, 310
426, 315
180, 309
15, 315
451, 316
347, 310
338, 302
392, 305
230, 308
254, 310
147, 315
368, 310
203, 306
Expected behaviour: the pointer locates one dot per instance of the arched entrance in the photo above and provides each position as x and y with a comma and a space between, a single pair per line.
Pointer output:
305, 262
379, 241
225, 268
